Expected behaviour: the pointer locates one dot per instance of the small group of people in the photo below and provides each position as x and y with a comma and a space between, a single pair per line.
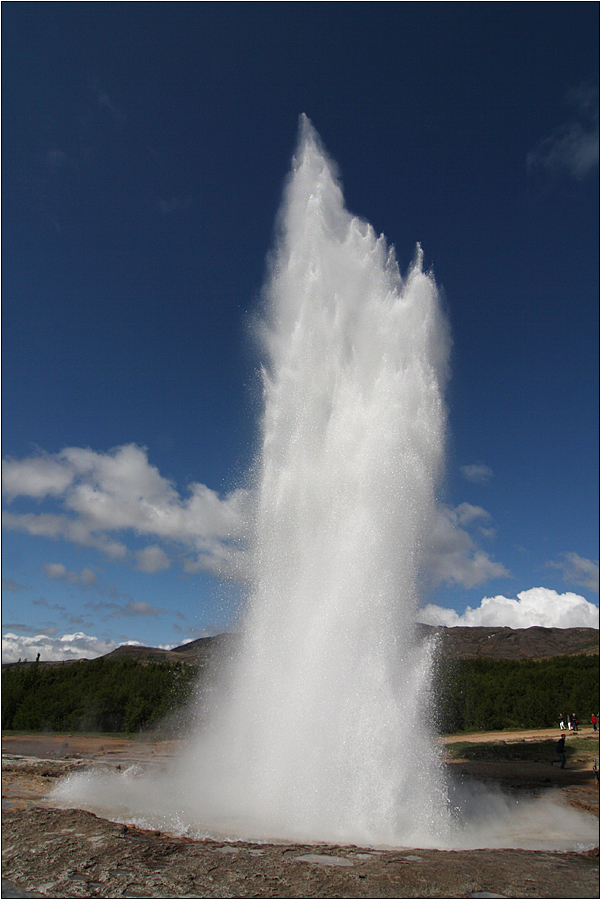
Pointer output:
572, 721
572, 726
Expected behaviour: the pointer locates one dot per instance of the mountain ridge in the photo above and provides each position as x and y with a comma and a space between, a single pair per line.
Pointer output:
460, 642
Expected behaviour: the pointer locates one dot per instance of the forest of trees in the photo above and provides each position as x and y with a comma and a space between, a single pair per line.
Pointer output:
93, 695
492, 694
129, 696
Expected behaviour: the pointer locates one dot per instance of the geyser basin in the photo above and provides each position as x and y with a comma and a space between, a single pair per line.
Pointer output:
480, 816
321, 732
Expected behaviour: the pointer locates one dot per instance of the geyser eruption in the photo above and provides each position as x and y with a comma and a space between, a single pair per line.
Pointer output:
321, 732
328, 708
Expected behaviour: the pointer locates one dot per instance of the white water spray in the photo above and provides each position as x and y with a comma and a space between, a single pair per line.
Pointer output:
323, 732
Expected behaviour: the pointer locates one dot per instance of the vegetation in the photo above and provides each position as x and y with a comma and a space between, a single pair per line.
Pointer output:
128, 695
493, 694
92, 695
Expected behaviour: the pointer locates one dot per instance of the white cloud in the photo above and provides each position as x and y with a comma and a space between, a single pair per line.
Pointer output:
477, 473
38, 477
100, 497
65, 647
59, 572
152, 559
454, 557
579, 570
101, 494
573, 148
538, 606
56, 527
68, 646
467, 514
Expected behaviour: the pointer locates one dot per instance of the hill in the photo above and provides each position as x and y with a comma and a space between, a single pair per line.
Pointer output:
454, 643
195, 653
509, 643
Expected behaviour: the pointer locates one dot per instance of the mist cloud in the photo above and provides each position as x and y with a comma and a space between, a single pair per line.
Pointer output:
538, 606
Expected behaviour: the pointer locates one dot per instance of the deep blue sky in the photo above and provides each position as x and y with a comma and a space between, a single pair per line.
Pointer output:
144, 152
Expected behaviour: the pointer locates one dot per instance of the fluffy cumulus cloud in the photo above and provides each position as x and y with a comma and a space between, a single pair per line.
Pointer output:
573, 147
538, 606
100, 497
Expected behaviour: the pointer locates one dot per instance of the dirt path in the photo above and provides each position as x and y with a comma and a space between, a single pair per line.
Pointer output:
528, 734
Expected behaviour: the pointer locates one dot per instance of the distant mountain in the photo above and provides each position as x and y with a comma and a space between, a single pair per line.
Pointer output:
194, 653
454, 643
510, 643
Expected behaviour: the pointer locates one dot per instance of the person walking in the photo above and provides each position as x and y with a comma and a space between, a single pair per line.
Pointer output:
561, 752
594, 721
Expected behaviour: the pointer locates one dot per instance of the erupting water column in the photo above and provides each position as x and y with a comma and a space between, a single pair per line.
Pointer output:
326, 732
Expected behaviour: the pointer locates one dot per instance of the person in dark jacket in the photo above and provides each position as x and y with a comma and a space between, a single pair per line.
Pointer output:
561, 752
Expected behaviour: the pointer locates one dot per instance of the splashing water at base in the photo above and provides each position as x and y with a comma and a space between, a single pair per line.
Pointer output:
322, 732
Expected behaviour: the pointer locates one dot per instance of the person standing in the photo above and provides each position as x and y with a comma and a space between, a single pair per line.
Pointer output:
594, 721
561, 752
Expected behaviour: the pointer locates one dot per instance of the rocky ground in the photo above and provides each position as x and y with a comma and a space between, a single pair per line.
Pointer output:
71, 853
